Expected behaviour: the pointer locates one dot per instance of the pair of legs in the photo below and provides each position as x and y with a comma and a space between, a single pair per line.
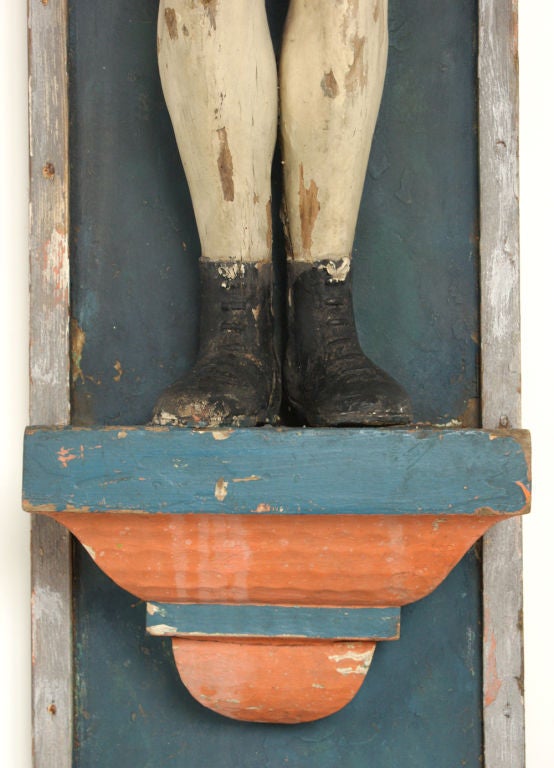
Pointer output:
219, 79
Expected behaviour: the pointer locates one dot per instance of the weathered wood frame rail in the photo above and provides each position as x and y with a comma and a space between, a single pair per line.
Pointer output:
50, 372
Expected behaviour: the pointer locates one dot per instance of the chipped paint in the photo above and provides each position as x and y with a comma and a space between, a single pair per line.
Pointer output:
121, 435
526, 491
159, 630
225, 166
356, 77
55, 265
90, 550
118, 368
210, 7
220, 491
152, 609
365, 656
263, 508
78, 340
231, 271
249, 479
171, 23
359, 670
65, 456
337, 270
47, 605
221, 434
329, 85
309, 209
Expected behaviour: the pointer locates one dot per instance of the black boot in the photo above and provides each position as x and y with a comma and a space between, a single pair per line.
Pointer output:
328, 379
235, 380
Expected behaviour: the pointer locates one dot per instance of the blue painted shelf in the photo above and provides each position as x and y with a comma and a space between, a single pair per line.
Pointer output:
277, 471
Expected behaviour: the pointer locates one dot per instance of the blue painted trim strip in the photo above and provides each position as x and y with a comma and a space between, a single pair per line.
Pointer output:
168, 619
253, 471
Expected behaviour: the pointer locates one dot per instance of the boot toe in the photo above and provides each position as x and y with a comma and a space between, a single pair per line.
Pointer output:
364, 401
231, 393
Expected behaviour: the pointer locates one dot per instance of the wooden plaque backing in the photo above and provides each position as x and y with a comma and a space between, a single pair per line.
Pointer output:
50, 372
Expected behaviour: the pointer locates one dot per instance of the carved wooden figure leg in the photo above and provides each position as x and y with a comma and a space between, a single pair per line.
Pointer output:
332, 72
220, 83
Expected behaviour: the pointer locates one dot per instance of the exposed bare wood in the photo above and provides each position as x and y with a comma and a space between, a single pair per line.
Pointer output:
499, 237
504, 746
500, 350
49, 362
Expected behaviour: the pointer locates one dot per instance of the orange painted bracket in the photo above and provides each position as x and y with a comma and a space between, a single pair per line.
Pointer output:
272, 664
273, 682
276, 559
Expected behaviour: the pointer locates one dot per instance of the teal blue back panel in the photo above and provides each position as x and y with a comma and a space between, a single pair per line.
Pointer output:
134, 298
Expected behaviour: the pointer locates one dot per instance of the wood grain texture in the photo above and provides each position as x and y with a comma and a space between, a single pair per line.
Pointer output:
497, 81
371, 518
263, 621
500, 353
49, 372
332, 560
277, 471
499, 231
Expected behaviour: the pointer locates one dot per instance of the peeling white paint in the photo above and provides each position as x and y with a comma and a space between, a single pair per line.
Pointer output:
364, 656
152, 609
90, 550
221, 434
47, 605
231, 271
159, 630
337, 270
220, 491
359, 670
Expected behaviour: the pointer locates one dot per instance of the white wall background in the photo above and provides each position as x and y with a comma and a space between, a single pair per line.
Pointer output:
537, 248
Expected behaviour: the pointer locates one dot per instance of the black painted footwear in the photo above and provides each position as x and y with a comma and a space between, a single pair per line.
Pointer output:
329, 381
235, 380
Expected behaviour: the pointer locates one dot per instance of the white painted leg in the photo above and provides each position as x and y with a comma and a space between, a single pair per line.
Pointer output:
220, 84
332, 73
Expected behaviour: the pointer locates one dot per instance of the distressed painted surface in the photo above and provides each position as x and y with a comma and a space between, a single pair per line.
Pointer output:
279, 552
503, 713
51, 548
133, 708
332, 70
135, 298
224, 114
285, 471
170, 619
379, 538
135, 244
279, 683
340, 560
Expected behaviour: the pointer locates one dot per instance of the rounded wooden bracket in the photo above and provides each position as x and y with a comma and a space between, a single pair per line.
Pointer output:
279, 681
276, 559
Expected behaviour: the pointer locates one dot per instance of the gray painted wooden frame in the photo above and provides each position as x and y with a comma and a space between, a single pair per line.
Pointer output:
50, 372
